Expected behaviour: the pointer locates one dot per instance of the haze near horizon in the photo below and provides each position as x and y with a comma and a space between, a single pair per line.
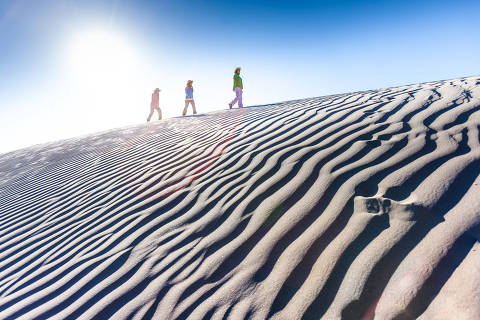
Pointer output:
75, 67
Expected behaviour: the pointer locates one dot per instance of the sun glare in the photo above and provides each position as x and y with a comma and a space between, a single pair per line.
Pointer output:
101, 58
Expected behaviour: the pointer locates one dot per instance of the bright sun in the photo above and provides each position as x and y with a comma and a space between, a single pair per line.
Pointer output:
101, 58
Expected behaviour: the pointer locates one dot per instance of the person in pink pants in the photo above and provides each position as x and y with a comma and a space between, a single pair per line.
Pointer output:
238, 88
154, 105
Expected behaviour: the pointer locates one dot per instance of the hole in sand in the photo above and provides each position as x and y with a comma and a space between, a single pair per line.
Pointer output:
373, 206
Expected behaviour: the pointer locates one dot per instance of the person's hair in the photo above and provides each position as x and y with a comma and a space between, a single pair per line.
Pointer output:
189, 82
237, 70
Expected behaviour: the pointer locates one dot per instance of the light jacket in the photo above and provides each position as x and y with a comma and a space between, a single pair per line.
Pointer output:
237, 81
188, 93
155, 97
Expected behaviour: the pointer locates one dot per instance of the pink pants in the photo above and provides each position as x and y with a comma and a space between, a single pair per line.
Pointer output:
238, 93
152, 109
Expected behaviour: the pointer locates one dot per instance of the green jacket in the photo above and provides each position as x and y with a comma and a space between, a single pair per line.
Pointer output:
237, 81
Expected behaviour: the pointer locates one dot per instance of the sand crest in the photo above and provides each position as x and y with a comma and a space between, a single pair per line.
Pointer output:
352, 206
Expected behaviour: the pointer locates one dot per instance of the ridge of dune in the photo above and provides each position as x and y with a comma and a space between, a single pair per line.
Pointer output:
361, 205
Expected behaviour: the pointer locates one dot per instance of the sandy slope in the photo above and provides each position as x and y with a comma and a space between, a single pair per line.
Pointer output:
353, 206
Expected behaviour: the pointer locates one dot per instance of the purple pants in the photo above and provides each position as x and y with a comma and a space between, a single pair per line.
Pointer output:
238, 93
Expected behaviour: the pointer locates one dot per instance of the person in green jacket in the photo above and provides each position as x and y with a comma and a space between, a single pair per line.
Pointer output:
238, 88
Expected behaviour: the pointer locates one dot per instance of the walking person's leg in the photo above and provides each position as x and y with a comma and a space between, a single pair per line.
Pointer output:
193, 107
151, 113
234, 100
159, 113
239, 95
186, 108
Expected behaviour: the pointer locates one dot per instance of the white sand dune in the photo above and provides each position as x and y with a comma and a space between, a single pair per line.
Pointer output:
353, 206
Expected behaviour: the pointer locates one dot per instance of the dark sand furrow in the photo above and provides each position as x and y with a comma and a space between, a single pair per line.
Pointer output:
165, 219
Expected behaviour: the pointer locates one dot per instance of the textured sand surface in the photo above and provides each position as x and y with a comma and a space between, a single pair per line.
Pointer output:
363, 205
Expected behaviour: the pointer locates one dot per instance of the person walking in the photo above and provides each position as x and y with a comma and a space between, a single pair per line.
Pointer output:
154, 105
189, 98
238, 88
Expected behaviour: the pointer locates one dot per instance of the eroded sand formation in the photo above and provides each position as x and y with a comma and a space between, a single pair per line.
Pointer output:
353, 206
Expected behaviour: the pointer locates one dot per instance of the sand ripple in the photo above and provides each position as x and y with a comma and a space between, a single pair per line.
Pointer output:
353, 206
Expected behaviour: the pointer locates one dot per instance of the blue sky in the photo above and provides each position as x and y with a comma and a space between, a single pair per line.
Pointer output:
75, 67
